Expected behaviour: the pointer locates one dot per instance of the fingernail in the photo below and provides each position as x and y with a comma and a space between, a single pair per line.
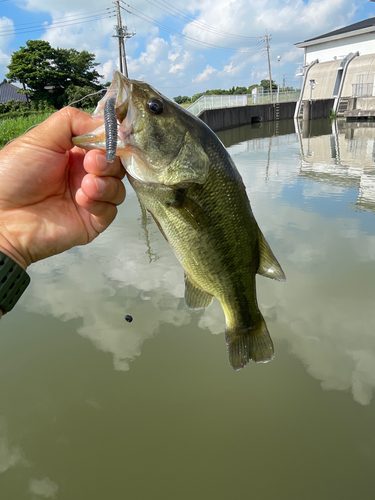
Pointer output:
101, 161
100, 185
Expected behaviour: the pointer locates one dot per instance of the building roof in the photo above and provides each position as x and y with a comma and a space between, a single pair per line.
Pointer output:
353, 29
8, 91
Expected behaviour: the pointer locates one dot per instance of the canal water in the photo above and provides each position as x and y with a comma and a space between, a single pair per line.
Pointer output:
93, 407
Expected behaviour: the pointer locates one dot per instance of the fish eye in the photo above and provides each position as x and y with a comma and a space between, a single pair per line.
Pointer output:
155, 105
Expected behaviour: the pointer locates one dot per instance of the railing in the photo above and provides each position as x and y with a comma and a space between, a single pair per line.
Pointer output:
229, 101
362, 89
216, 102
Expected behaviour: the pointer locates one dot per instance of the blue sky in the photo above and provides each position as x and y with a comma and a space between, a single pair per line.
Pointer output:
181, 47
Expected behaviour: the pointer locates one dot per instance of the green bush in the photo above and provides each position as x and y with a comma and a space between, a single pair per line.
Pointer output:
13, 127
15, 109
13, 106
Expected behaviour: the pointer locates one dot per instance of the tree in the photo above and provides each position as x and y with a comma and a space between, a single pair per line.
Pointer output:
266, 85
240, 90
38, 65
250, 89
196, 96
182, 99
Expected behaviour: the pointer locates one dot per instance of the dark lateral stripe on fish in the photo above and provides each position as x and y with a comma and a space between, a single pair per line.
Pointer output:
110, 126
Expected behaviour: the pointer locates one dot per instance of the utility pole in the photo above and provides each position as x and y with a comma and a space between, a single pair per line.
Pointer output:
121, 33
267, 39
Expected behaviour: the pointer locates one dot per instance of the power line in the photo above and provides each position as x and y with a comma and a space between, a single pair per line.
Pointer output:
54, 25
148, 19
179, 14
66, 21
219, 73
74, 16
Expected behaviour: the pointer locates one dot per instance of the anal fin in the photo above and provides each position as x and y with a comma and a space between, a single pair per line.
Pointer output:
268, 264
195, 297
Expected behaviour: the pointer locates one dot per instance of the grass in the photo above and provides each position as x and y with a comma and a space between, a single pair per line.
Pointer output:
10, 128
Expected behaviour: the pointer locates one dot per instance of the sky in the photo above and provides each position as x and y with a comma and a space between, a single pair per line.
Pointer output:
180, 47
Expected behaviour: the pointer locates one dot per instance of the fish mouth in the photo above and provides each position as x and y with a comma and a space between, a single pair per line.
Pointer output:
119, 91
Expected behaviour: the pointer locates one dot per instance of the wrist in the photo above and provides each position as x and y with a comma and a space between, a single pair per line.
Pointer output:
7, 247
13, 282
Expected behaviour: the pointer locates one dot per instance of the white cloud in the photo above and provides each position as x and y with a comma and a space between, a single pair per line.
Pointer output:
180, 61
209, 71
167, 61
107, 70
6, 26
153, 61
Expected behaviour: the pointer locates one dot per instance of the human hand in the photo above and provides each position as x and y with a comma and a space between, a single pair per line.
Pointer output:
54, 196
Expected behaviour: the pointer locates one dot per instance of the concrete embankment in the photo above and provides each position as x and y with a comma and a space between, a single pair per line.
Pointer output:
361, 108
260, 130
319, 108
224, 118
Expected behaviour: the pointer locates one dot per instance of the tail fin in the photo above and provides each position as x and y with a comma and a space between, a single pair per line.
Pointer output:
254, 343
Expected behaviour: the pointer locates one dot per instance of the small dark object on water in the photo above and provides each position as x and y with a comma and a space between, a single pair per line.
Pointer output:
110, 125
129, 318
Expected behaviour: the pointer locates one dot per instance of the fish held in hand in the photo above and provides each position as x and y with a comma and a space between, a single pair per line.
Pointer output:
185, 178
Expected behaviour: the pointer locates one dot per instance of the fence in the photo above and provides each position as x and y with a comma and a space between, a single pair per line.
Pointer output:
228, 101
362, 89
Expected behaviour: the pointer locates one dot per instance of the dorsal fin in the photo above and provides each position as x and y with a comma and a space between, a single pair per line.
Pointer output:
195, 297
268, 265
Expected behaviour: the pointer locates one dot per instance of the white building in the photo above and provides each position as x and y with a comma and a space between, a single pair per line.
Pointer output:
340, 64
358, 37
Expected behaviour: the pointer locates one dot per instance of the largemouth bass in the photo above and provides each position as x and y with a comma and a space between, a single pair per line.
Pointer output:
185, 178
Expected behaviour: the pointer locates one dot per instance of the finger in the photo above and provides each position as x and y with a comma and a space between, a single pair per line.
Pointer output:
55, 133
108, 189
102, 213
96, 163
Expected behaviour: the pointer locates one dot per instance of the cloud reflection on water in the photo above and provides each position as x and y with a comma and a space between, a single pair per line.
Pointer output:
43, 488
325, 309
340, 350
9, 455
113, 277
324, 312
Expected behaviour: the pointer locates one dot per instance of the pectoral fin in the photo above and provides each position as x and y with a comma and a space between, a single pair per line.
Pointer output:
189, 209
268, 265
190, 165
195, 297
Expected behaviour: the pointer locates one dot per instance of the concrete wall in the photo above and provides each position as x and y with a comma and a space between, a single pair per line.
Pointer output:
260, 130
224, 118
365, 103
340, 47
325, 75
360, 75
317, 109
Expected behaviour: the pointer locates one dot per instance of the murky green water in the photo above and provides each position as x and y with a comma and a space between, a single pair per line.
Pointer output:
95, 408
